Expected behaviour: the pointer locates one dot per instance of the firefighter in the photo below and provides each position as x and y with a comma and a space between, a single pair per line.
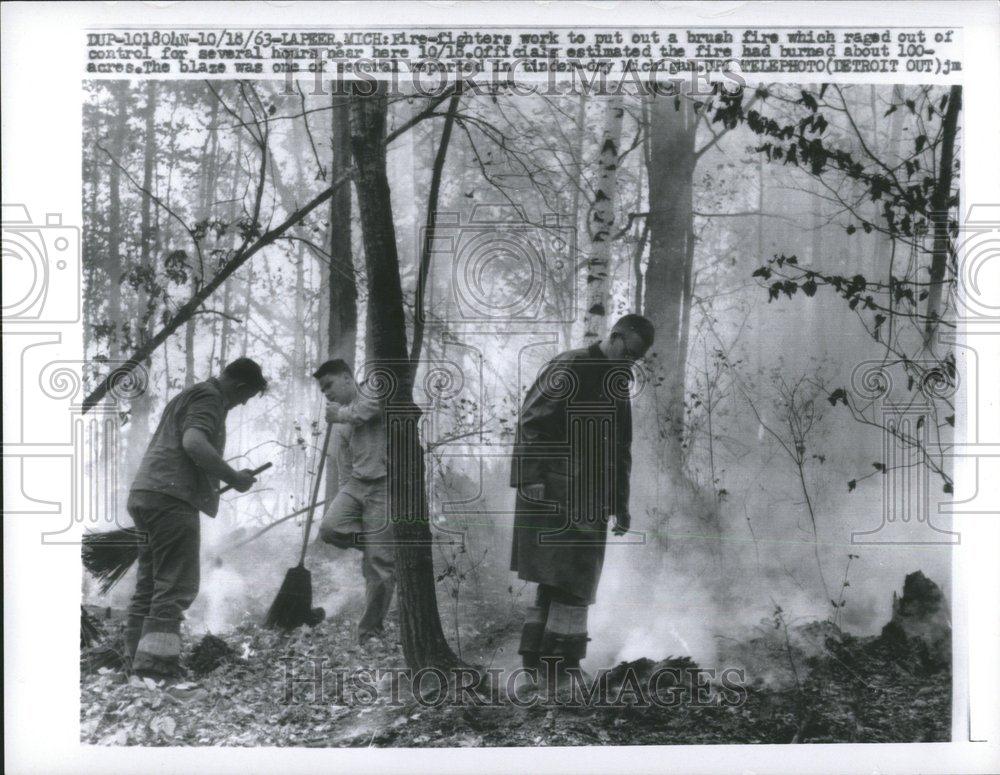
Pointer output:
571, 464
357, 517
177, 478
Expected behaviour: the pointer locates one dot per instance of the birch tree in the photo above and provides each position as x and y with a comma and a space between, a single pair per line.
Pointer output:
601, 223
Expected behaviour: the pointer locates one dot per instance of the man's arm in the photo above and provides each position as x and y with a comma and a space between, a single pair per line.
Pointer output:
340, 454
623, 519
543, 415
358, 412
207, 458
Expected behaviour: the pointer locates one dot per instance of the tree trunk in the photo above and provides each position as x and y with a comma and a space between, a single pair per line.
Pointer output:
139, 432
94, 249
671, 251
115, 235
601, 223
420, 310
941, 204
423, 640
577, 184
206, 197
341, 282
299, 324
343, 291
210, 176
814, 338
883, 259
640, 247
227, 288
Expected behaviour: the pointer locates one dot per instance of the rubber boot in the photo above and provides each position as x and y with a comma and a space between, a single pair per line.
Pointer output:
531, 637
525, 684
158, 654
564, 644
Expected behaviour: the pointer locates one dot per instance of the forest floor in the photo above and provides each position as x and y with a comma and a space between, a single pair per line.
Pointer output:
257, 687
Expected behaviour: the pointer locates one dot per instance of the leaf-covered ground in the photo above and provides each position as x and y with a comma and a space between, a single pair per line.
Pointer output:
820, 686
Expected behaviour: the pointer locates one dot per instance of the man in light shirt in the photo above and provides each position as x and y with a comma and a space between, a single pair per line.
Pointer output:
357, 518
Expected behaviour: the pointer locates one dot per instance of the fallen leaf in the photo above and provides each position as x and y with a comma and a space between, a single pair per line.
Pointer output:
163, 725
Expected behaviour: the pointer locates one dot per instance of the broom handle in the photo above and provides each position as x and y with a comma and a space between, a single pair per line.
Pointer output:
315, 494
256, 471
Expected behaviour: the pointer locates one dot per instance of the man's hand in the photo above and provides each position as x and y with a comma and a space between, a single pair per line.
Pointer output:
622, 523
534, 492
333, 412
243, 480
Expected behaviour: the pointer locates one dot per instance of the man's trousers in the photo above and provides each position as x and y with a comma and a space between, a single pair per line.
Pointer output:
167, 581
358, 519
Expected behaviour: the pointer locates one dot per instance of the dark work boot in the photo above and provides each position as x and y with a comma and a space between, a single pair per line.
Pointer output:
564, 644
532, 633
523, 686
563, 653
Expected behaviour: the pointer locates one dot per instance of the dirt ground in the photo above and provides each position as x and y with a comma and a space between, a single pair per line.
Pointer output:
256, 687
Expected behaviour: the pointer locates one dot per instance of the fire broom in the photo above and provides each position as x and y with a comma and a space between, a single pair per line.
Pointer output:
108, 555
293, 604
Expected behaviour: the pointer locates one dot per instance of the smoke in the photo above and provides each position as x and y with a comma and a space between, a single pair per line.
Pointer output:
339, 584
232, 589
224, 602
683, 593
239, 584
645, 608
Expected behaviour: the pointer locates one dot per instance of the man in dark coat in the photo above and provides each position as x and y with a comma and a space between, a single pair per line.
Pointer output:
571, 466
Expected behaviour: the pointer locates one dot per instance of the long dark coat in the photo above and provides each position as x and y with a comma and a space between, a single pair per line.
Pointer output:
574, 436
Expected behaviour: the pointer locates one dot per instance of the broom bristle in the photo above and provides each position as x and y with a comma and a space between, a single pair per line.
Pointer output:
105, 656
108, 555
293, 605
90, 630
